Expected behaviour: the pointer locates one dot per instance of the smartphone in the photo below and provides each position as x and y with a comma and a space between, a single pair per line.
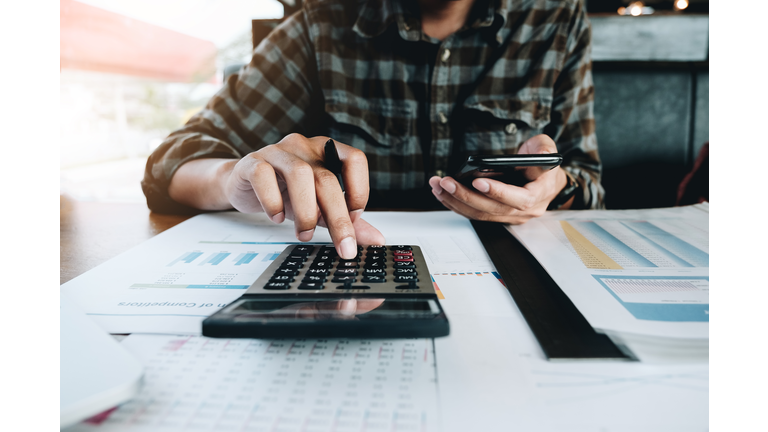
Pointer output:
504, 168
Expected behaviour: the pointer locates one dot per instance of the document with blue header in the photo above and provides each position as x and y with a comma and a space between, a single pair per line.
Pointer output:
638, 273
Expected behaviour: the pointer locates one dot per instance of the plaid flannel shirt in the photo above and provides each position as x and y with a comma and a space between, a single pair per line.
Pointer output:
363, 73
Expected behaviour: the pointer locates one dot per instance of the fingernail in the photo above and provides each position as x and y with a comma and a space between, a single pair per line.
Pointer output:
306, 235
278, 218
355, 214
449, 186
436, 194
348, 248
482, 186
348, 307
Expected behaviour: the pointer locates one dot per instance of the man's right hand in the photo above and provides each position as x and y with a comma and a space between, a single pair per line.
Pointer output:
286, 180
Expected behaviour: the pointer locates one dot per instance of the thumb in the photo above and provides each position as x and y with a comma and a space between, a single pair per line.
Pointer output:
366, 234
539, 144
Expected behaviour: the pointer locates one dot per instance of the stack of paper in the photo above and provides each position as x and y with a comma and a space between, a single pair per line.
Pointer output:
639, 276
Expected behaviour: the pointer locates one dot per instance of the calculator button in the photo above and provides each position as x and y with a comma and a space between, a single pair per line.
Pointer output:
353, 287
286, 272
348, 264
355, 260
403, 258
291, 264
405, 271
297, 257
277, 286
342, 279
321, 265
405, 247
403, 264
403, 252
302, 250
322, 258
346, 272
375, 265
317, 272
311, 286
328, 250
374, 279
286, 279
377, 248
411, 285
375, 258
314, 279
374, 272
406, 278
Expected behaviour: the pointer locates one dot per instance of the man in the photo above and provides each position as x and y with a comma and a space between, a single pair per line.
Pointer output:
407, 89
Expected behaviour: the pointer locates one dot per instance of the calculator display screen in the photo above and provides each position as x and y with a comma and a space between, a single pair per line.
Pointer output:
345, 309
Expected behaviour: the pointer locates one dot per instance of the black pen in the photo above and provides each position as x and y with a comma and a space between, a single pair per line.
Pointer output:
332, 161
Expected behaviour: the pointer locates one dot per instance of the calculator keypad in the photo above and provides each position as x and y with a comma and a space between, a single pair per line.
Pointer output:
318, 269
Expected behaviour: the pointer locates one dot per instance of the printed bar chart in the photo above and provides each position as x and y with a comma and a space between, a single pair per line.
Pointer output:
245, 258
628, 244
271, 257
215, 258
187, 258
591, 255
661, 298
673, 247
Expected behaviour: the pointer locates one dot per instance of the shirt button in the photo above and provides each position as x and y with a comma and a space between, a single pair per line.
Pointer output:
510, 128
446, 55
443, 118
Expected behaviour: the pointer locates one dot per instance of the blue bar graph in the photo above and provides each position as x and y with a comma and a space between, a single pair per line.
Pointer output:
245, 258
673, 247
187, 257
630, 254
216, 258
271, 257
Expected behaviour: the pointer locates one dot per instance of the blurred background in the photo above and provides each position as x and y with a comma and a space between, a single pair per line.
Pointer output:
132, 71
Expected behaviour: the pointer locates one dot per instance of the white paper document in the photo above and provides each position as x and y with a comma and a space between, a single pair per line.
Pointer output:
640, 272
488, 374
197, 383
173, 281
492, 375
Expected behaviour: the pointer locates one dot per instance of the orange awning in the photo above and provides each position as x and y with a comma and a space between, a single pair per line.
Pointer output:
98, 40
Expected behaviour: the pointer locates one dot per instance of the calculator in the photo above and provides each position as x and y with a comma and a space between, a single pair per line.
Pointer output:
310, 292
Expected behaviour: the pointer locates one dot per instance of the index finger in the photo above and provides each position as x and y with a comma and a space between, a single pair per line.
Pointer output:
354, 171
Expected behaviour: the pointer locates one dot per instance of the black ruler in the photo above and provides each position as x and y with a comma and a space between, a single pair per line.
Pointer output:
562, 331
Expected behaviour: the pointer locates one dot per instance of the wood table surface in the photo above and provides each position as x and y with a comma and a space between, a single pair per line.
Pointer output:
93, 232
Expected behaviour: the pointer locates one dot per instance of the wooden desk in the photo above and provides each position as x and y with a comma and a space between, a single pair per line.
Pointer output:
92, 233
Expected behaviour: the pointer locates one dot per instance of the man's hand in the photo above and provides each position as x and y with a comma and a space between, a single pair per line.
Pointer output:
286, 180
499, 202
